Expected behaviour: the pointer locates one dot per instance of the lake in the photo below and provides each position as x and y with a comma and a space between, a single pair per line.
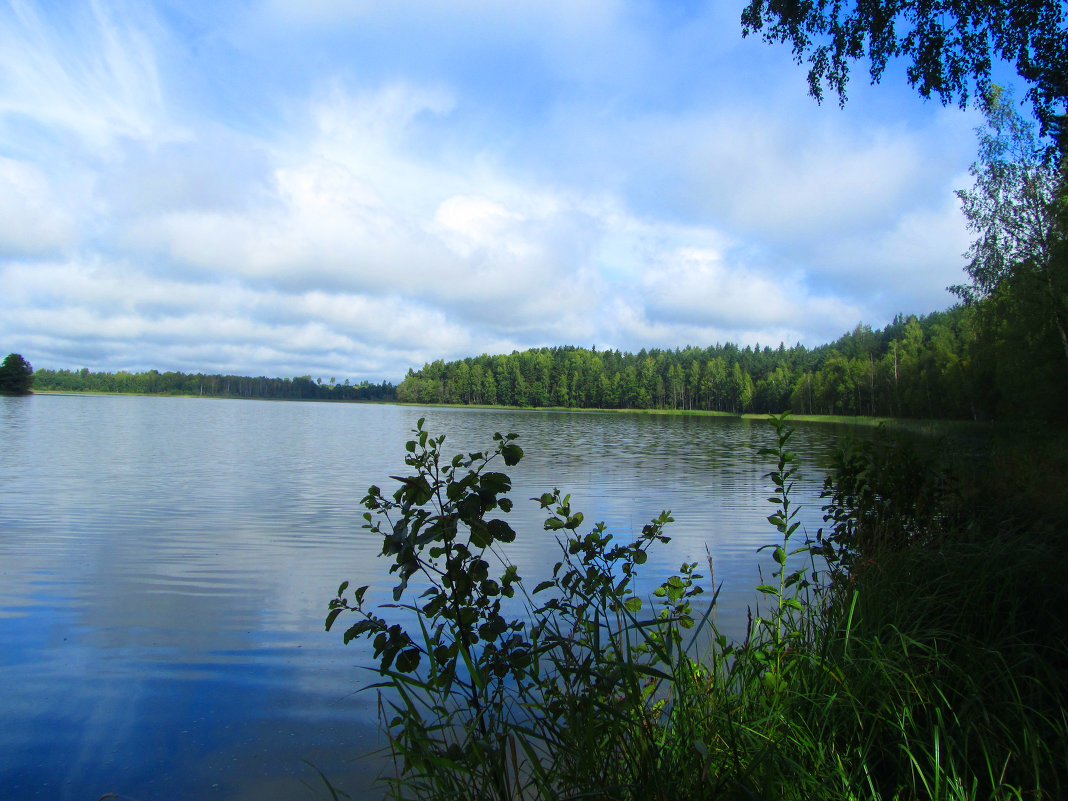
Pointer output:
165, 565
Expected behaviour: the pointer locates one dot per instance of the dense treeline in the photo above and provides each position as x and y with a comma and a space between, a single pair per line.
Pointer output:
982, 360
944, 365
153, 382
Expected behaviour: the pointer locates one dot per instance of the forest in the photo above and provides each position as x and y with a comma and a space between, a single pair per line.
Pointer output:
976, 361
153, 382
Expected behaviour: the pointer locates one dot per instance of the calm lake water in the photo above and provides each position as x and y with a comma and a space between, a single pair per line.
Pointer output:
165, 565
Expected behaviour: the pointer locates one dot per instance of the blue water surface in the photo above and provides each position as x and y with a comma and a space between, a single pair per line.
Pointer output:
165, 565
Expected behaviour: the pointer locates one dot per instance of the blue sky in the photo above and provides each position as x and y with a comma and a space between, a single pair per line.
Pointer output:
348, 189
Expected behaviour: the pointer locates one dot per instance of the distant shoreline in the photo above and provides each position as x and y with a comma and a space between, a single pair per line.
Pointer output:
925, 425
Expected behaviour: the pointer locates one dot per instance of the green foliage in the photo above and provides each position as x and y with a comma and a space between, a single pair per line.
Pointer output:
915, 367
1018, 268
896, 658
783, 625
882, 495
950, 645
492, 706
461, 671
16, 375
1012, 205
597, 692
152, 382
948, 47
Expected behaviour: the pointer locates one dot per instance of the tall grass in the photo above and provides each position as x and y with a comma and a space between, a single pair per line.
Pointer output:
903, 653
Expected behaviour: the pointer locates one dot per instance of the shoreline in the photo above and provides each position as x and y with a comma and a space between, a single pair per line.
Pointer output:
921, 424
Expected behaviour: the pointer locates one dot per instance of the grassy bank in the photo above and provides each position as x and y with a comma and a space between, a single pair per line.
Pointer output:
937, 427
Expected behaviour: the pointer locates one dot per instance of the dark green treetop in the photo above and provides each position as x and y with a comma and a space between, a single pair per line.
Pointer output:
16, 375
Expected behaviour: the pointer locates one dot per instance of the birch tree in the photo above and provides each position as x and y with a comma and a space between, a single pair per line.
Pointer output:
1016, 209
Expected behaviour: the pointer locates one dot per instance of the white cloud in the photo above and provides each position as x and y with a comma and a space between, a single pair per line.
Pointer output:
908, 263
33, 217
94, 74
699, 290
470, 222
697, 287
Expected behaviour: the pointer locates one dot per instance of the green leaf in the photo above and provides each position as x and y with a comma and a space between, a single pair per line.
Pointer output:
434, 605
496, 483
480, 535
330, 618
357, 630
454, 491
500, 530
543, 585
512, 453
633, 604
408, 660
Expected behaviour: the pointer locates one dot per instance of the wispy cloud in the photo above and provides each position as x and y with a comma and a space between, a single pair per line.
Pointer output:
88, 72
